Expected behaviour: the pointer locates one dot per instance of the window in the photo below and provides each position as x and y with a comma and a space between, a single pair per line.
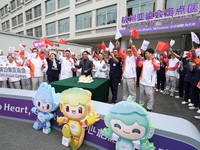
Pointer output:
12, 4
2, 11
29, 32
176, 4
20, 19
83, 21
6, 9
14, 21
27, 0
28, 14
78, 0
63, 25
22, 33
50, 28
38, 31
63, 3
37, 11
140, 6
7, 24
50, 6
18, 3
3, 26
107, 15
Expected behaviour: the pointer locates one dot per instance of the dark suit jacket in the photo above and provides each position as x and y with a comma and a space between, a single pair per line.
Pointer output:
86, 65
50, 72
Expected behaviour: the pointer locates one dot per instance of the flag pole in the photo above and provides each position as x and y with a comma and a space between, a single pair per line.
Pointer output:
192, 40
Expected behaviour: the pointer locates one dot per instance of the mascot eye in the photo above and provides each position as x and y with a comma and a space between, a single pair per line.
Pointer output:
117, 126
48, 106
38, 104
80, 110
136, 131
67, 109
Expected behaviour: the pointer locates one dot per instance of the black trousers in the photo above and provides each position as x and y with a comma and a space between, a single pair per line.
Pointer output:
114, 81
195, 96
181, 86
51, 78
187, 91
161, 80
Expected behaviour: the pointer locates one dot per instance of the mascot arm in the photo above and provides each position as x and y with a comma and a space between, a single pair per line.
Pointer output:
34, 110
49, 116
62, 120
93, 118
107, 133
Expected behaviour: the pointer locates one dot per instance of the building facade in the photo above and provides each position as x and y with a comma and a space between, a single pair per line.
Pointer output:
90, 22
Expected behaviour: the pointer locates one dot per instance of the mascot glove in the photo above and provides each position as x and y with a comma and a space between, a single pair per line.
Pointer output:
93, 118
106, 132
34, 110
61, 120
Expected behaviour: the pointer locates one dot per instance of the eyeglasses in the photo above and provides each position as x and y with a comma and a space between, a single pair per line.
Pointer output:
130, 51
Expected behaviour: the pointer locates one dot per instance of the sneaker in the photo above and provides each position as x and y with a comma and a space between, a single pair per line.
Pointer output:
177, 97
190, 104
157, 90
172, 94
198, 111
189, 100
184, 102
197, 117
193, 108
161, 91
176, 91
119, 84
149, 110
166, 92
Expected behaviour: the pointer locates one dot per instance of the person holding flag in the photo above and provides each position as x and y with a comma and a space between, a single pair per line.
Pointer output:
148, 79
171, 73
129, 70
67, 64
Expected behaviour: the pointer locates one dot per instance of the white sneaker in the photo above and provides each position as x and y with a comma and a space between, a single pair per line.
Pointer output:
184, 102
177, 96
189, 100
176, 91
193, 108
190, 104
198, 111
166, 92
157, 90
161, 91
172, 94
197, 117
119, 84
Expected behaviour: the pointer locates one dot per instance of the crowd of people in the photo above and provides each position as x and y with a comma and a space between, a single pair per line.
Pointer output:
145, 70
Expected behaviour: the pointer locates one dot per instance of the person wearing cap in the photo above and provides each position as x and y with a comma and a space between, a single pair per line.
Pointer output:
37, 67
67, 64
85, 64
129, 71
148, 79
14, 83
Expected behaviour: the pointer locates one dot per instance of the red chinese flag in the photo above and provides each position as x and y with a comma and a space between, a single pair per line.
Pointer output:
189, 54
21, 53
15, 51
47, 41
162, 46
103, 46
98, 45
61, 41
30, 49
125, 51
41, 55
24, 46
95, 54
134, 33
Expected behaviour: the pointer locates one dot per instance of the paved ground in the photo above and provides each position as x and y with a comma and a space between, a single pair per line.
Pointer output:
16, 135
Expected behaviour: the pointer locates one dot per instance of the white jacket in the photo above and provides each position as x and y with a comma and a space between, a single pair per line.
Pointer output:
100, 65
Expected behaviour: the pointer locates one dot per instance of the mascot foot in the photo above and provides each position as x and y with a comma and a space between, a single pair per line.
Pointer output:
47, 131
37, 126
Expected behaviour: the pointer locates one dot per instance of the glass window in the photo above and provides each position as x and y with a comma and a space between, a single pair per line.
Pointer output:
50, 28
37, 11
7, 24
140, 6
107, 15
3, 26
176, 4
38, 31
63, 25
14, 21
13, 6
28, 14
63, 3
2, 11
27, 0
22, 33
20, 19
78, 0
18, 3
6, 9
50, 6
29, 32
83, 21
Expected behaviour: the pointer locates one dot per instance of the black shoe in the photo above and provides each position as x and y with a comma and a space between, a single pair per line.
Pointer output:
149, 110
